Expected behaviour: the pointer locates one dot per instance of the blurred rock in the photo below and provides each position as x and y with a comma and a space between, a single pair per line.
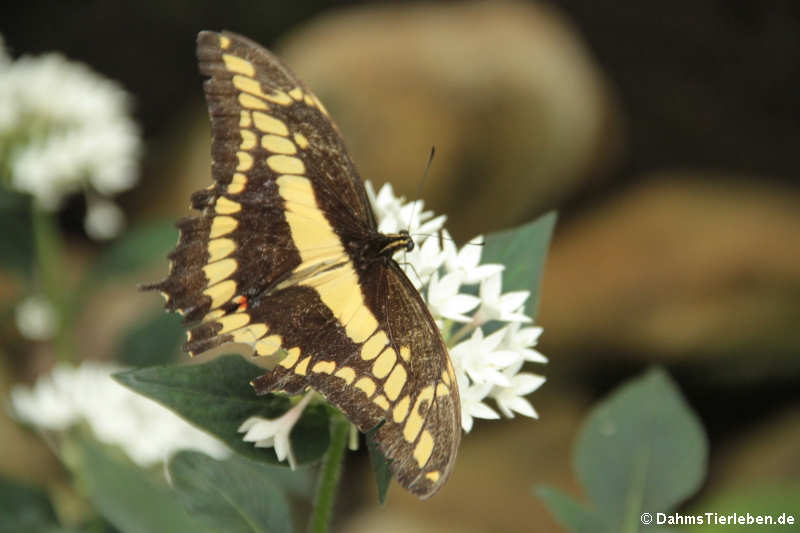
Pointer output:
767, 454
491, 489
681, 266
507, 92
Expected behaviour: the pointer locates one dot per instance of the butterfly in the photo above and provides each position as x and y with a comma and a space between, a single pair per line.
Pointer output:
285, 255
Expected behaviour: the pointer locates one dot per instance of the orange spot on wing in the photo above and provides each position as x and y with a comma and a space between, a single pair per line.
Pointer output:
241, 300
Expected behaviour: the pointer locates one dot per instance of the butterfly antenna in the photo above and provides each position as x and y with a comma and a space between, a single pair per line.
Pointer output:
422, 182
419, 190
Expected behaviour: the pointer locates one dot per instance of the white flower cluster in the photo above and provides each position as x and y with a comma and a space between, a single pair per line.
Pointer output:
487, 366
148, 432
65, 129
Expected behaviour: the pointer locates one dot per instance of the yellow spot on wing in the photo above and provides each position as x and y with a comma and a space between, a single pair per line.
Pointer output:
269, 345
248, 101
224, 42
433, 476
222, 226
291, 358
248, 139
309, 101
401, 409
296, 93
374, 345
238, 65
414, 423
269, 124
285, 164
227, 207
219, 270
381, 401
245, 161
213, 315
366, 385
301, 140
405, 353
424, 448
442, 390
324, 367
221, 292
219, 249
302, 366
250, 334
232, 322
278, 145
346, 373
244, 119
384, 363
394, 383
237, 183
445, 377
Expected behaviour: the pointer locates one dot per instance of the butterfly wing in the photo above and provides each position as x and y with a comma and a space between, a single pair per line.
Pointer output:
399, 378
275, 259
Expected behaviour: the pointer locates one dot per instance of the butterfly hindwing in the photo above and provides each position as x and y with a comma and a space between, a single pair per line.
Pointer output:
285, 254
396, 378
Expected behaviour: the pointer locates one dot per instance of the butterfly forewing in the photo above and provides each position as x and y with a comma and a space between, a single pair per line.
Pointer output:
284, 256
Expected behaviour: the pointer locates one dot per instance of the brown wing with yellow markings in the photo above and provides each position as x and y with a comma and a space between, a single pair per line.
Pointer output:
283, 255
272, 141
398, 375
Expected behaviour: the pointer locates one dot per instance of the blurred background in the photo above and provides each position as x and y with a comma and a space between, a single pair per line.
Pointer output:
665, 134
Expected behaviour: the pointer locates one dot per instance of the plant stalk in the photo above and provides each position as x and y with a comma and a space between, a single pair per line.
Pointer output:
329, 474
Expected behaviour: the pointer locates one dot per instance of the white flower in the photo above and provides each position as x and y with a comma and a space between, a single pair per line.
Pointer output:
36, 318
522, 340
445, 301
481, 359
145, 430
487, 367
64, 128
467, 260
275, 432
511, 398
104, 220
497, 306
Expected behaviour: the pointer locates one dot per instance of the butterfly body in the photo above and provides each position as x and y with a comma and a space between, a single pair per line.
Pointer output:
286, 255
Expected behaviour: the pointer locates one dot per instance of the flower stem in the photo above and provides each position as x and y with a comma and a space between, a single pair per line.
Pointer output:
329, 474
50, 275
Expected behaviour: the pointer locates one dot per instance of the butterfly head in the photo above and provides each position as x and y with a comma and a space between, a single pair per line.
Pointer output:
394, 242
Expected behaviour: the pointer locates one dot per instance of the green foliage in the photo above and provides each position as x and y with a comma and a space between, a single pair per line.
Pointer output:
137, 249
217, 397
151, 341
380, 466
25, 508
640, 450
16, 232
523, 251
235, 495
132, 499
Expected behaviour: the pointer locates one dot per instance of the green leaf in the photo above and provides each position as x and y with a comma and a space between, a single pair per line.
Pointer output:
16, 232
25, 508
151, 341
138, 248
641, 449
569, 513
523, 251
127, 496
235, 495
380, 465
217, 397
777, 501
